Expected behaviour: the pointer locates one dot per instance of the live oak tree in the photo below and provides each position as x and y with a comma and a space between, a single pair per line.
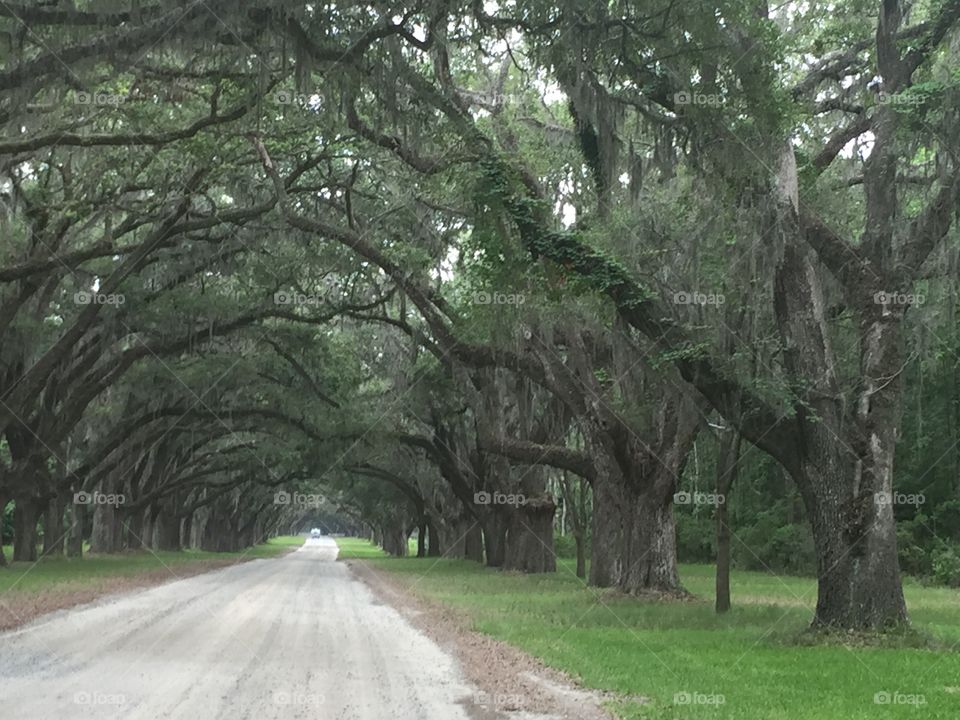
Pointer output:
610, 161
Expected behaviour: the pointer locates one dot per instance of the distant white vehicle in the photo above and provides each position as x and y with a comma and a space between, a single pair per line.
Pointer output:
315, 533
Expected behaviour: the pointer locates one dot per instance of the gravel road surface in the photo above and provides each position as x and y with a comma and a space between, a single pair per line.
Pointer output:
295, 637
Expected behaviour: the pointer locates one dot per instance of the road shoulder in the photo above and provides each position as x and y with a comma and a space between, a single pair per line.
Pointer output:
509, 680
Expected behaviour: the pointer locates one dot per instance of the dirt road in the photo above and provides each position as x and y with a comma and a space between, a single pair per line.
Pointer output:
297, 637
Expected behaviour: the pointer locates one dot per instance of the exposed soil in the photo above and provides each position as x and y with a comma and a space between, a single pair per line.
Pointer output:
20, 607
295, 638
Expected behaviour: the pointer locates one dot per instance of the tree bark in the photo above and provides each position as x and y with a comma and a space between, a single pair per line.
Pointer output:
842, 461
78, 513
422, 538
395, 540
166, 531
434, 548
495, 525
53, 528
103, 536
186, 532
606, 557
728, 463
530, 537
473, 543
137, 527
25, 512
650, 548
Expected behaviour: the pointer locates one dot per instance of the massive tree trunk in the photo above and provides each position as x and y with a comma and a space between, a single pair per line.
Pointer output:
186, 532
103, 533
395, 539
26, 510
53, 528
530, 537
434, 548
634, 532
855, 539
78, 514
650, 546
496, 522
843, 464
166, 530
842, 461
606, 550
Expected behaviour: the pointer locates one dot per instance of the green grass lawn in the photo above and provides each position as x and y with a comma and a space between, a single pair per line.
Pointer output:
362, 548
62, 572
664, 651
358, 548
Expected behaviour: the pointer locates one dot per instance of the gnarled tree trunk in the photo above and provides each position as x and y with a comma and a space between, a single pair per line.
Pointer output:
530, 537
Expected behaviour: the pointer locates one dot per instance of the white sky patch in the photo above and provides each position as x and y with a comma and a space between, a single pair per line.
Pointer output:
862, 146
446, 270
566, 210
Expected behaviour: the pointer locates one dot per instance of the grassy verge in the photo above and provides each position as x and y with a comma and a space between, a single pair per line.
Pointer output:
685, 659
352, 548
362, 548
